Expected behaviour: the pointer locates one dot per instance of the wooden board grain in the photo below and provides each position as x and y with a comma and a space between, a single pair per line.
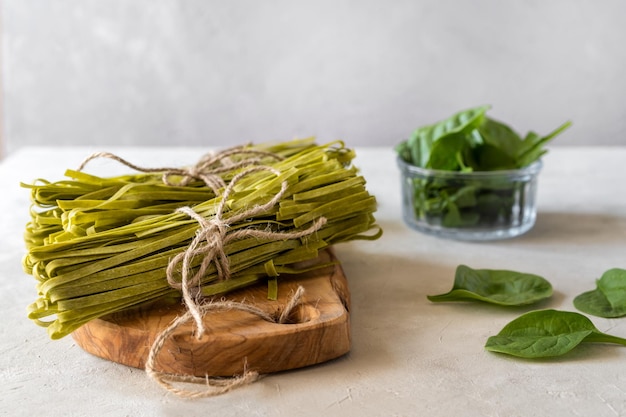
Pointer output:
320, 330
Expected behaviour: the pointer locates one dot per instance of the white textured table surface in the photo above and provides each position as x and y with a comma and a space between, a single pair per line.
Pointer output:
409, 356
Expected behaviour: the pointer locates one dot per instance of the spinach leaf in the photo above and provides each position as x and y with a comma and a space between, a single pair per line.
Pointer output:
502, 142
470, 141
501, 287
418, 148
613, 285
491, 158
531, 148
546, 333
446, 153
608, 299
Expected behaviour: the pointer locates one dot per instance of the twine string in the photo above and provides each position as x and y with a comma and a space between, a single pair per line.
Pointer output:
207, 169
212, 238
210, 241
212, 386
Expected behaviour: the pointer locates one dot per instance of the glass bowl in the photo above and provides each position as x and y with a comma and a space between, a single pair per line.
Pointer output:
479, 205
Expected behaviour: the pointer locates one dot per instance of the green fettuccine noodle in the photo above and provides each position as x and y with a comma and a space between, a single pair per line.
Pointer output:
100, 245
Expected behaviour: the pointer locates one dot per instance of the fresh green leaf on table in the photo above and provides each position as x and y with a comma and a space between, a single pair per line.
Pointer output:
547, 333
608, 299
501, 287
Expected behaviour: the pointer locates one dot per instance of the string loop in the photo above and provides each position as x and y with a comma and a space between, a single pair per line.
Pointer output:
210, 241
212, 386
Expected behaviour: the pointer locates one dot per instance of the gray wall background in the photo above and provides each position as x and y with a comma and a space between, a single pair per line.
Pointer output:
212, 73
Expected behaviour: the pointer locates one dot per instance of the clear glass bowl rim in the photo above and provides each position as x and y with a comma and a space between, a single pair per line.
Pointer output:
413, 170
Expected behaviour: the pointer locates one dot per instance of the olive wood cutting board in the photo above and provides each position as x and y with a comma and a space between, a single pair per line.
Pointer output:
319, 330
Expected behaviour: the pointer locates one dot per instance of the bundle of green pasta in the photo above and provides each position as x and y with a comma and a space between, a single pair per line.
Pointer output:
100, 245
